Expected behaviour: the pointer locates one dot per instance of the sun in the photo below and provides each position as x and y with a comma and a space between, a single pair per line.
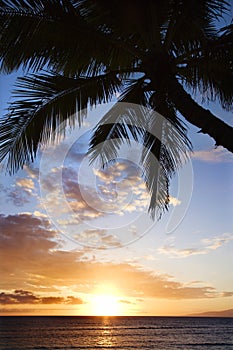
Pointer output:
106, 305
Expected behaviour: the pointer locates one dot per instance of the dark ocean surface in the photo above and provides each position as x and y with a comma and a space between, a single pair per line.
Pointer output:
162, 333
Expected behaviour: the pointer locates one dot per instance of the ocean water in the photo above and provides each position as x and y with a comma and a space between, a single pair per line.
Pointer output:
161, 333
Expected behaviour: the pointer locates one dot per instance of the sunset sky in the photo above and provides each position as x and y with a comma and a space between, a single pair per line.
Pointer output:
110, 257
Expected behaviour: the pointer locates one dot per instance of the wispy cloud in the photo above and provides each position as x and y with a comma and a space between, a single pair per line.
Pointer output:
173, 252
218, 241
125, 301
206, 246
26, 183
98, 238
174, 201
216, 155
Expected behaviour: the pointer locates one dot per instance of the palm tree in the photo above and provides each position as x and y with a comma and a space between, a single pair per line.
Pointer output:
78, 53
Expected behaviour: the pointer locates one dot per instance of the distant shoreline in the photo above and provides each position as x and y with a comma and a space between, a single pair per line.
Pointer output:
224, 313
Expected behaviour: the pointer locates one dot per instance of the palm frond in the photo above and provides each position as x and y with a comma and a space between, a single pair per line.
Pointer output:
165, 150
93, 49
112, 130
44, 102
211, 70
160, 161
191, 23
134, 23
53, 33
164, 141
31, 29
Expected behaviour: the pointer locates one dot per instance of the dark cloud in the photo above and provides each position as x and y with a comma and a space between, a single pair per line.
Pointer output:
18, 297
227, 294
73, 300
29, 249
19, 193
27, 297
18, 197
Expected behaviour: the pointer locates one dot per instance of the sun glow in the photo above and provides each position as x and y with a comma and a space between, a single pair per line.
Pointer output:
106, 305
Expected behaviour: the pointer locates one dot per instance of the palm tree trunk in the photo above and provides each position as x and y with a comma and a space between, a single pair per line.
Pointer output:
208, 123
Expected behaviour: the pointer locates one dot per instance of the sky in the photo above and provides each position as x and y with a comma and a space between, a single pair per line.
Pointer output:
77, 240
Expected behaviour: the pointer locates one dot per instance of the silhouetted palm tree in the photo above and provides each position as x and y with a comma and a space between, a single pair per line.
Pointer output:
148, 52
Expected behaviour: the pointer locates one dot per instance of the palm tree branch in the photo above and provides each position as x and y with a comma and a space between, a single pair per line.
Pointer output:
192, 22
36, 117
211, 70
27, 44
208, 123
165, 143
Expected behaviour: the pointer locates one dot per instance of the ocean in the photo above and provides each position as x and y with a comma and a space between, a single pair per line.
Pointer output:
74, 332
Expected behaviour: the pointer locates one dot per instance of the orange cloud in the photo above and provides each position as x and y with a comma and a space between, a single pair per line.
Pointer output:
32, 258
27, 184
174, 201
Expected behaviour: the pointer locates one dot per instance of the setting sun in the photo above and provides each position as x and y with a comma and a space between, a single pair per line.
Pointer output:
106, 305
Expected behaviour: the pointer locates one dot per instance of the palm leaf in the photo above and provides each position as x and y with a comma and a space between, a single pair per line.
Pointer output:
112, 130
211, 70
164, 142
165, 151
45, 102
52, 33
95, 48
191, 22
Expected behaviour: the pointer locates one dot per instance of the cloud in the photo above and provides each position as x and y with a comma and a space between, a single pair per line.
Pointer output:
207, 245
114, 184
73, 300
21, 192
27, 246
70, 193
98, 238
27, 297
121, 184
173, 252
216, 155
217, 242
18, 297
18, 197
125, 301
31, 171
113, 197
27, 184
174, 201
140, 283
31, 256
